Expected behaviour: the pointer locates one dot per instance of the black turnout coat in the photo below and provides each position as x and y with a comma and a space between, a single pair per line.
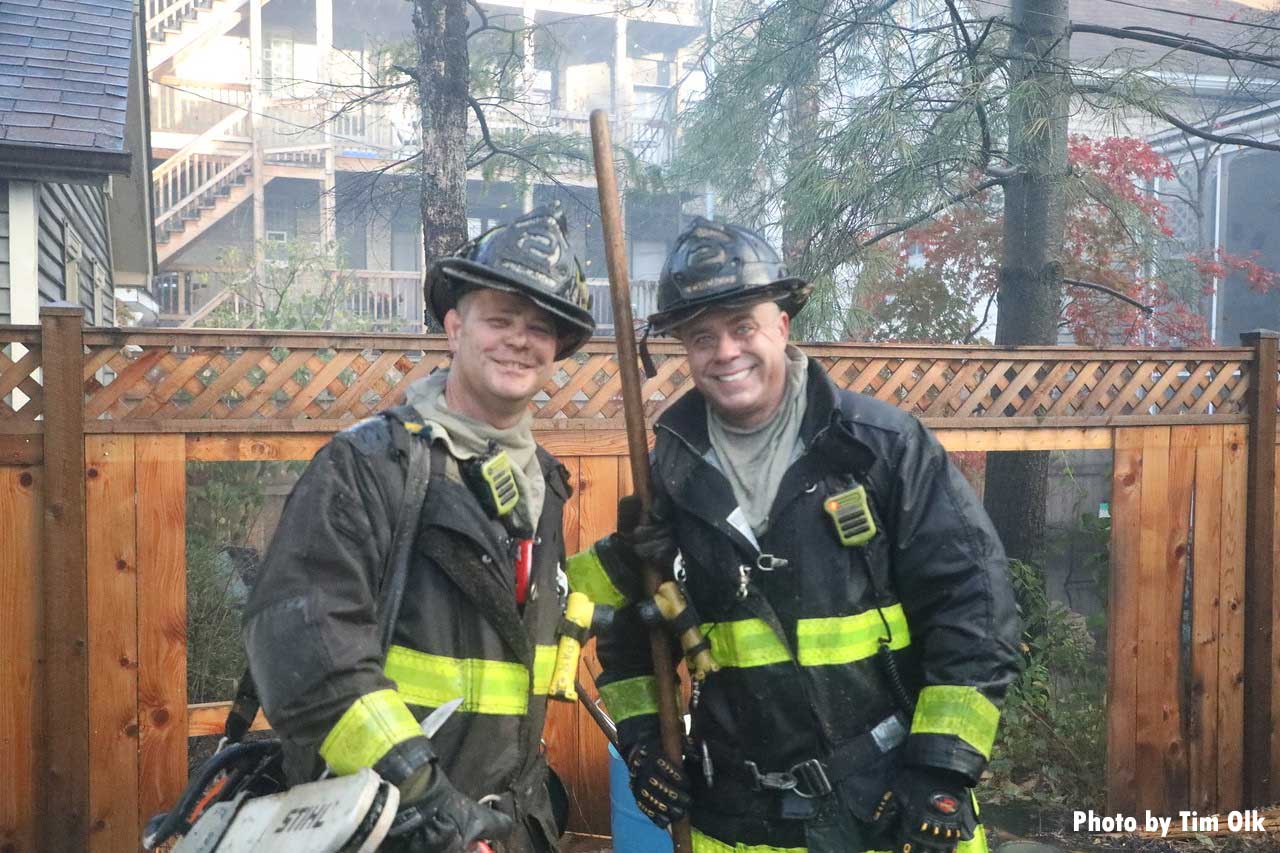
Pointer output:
801, 672
311, 625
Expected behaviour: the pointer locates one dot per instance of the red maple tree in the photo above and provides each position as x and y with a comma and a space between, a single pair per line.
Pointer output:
945, 273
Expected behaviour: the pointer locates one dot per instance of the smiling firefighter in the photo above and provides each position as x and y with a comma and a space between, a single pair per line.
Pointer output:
478, 613
846, 581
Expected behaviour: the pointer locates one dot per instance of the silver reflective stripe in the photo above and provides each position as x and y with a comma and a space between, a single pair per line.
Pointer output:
889, 732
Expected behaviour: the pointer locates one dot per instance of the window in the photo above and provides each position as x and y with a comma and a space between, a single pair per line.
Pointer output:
406, 242
99, 274
276, 248
277, 63
72, 251
647, 257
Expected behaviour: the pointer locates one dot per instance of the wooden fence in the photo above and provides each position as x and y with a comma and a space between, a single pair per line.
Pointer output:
97, 427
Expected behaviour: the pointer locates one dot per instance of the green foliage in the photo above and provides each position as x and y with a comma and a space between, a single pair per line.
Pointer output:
837, 119
295, 285
843, 124
298, 287
223, 501
1051, 750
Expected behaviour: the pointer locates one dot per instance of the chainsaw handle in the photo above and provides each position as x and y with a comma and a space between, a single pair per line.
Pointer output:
177, 820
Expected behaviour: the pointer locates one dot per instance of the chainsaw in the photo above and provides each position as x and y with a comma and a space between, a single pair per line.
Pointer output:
227, 807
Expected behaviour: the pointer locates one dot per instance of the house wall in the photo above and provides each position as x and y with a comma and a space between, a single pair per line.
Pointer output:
233, 231
80, 209
4, 252
1250, 229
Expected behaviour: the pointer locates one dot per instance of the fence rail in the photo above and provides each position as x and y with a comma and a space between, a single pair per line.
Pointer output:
163, 380
97, 427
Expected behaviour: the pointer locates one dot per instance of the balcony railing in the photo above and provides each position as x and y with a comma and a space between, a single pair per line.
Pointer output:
189, 106
379, 130
644, 295
385, 300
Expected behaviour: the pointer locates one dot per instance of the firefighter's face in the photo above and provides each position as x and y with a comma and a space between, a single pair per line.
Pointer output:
504, 350
738, 357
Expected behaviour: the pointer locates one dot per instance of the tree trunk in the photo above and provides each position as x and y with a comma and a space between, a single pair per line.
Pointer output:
802, 122
1030, 275
440, 28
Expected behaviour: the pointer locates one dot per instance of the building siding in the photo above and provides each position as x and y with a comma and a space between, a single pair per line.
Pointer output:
4, 252
82, 208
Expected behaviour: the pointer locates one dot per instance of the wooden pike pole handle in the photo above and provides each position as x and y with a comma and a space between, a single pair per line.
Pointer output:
637, 446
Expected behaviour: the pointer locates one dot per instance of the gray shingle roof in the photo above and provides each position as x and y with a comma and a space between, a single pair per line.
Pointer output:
64, 72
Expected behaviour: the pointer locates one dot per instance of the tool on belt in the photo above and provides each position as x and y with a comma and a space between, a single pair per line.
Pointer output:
582, 620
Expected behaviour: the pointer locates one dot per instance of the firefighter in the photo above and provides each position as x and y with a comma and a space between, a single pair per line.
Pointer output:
482, 600
848, 583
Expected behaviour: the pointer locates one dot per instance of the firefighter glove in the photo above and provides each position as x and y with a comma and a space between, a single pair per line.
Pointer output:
660, 787
934, 811
651, 540
434, 815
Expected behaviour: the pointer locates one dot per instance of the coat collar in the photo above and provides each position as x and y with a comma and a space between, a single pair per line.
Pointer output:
450, 506
687, 417
702, 490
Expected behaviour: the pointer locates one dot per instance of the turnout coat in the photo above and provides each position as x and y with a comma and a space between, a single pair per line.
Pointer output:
797, 622
311, 625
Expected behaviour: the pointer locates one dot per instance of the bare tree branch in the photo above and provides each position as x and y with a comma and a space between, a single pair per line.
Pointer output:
955, 198
1178, 42
1102, 288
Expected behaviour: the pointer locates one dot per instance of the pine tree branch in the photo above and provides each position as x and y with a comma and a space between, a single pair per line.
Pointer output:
1209, 136
955, 198
971, 57
1178, 42
496, 150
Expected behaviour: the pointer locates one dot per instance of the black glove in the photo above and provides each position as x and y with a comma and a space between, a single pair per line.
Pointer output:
660, 787
435, 815
933, 810
651, 540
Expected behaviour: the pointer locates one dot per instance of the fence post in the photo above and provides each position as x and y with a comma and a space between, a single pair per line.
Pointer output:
1261, 741
63, 745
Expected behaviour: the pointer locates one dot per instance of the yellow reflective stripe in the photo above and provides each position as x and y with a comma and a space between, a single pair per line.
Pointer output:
820, 642
371, 726
977, 844
745, 643
960, 711
588, 576
845, 639
703, 843
630, 697
544, 664
486, 686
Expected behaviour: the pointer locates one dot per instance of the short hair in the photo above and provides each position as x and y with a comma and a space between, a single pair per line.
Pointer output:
680, 329
463, 305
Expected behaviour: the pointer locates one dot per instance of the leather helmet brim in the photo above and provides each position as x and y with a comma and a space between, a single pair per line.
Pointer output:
450, 278
790, 294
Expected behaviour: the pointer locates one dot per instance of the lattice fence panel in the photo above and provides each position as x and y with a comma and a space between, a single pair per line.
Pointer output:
165, 379
345, 383
21, 395
254, 384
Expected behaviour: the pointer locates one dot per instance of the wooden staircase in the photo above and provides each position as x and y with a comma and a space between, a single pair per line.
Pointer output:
176, 25
195, 192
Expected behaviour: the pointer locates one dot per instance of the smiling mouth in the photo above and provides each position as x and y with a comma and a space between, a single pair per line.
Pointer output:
513, 365
734, 377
